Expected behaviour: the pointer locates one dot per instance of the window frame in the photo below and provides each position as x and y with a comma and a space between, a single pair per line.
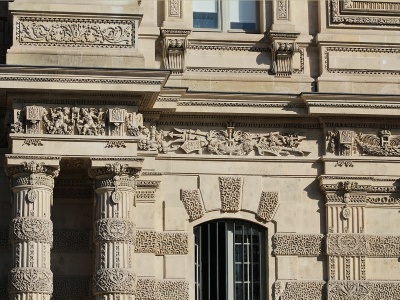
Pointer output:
224, 19
230, 264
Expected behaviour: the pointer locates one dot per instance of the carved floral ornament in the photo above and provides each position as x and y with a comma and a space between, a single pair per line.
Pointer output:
113, 280
32, 229
221, 142
76, 121
31, 280
39, 31
115, 230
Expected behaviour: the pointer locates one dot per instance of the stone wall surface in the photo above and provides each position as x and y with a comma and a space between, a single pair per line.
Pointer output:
124, 127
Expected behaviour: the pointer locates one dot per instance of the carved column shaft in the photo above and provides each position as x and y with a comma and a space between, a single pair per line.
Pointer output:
114, 233
31, 231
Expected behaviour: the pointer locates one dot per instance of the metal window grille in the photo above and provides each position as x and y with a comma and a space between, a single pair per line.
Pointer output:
229, 261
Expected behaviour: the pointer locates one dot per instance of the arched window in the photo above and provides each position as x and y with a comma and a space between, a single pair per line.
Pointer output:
230, 261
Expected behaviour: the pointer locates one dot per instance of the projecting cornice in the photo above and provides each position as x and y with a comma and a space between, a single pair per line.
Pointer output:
352, 104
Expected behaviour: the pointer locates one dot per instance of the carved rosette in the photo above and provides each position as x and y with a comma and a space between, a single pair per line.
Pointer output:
31, 280
115, 229
112, 280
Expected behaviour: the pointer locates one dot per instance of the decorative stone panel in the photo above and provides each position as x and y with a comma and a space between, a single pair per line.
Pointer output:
367, 290
66, 240
172, 290
193, 203
115, 230
346, 244
4, 238
300, 290
268, 205
154, 289
31, 280
99, 33
383, 246
146, 241
231, 193
112, 280
172, 243
298, 244
32, 229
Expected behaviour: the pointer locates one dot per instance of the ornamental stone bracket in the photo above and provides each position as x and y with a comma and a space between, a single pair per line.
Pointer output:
174, 45
283, 47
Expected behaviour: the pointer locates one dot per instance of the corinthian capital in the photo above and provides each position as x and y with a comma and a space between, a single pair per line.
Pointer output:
28, 164
130, 166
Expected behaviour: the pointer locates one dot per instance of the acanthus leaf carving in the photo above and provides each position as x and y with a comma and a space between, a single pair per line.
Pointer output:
76, 32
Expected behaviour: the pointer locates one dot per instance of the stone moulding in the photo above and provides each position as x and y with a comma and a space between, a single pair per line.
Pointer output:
299, 290
165, 289
364, 13
29, 229
192, 202
112, 280
231, 193
114, 230
31, 280
299, 244
162, 243
100, 33
268, 205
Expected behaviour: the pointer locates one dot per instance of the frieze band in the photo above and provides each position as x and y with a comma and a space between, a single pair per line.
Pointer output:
31, 280
115, 230
32, 229
113, 280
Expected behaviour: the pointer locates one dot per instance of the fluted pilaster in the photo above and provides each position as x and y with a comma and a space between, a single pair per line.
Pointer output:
32, 183
114, 231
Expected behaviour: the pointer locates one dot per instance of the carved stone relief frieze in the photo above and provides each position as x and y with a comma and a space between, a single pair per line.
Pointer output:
346, 244
114, 230
231, 193
222, 142
76, 121
347, 143
299, 290
74, 32
192, 202
299, 244
32, 229
268, 205
161, 243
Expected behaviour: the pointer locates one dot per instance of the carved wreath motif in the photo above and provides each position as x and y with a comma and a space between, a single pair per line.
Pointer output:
114, 281
32, 229
31, 280
115, 229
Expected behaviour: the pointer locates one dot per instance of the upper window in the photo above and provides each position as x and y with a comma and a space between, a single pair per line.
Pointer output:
228, 16
229, 261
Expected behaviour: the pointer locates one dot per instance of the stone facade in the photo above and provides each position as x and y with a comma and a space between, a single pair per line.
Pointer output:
124, 127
